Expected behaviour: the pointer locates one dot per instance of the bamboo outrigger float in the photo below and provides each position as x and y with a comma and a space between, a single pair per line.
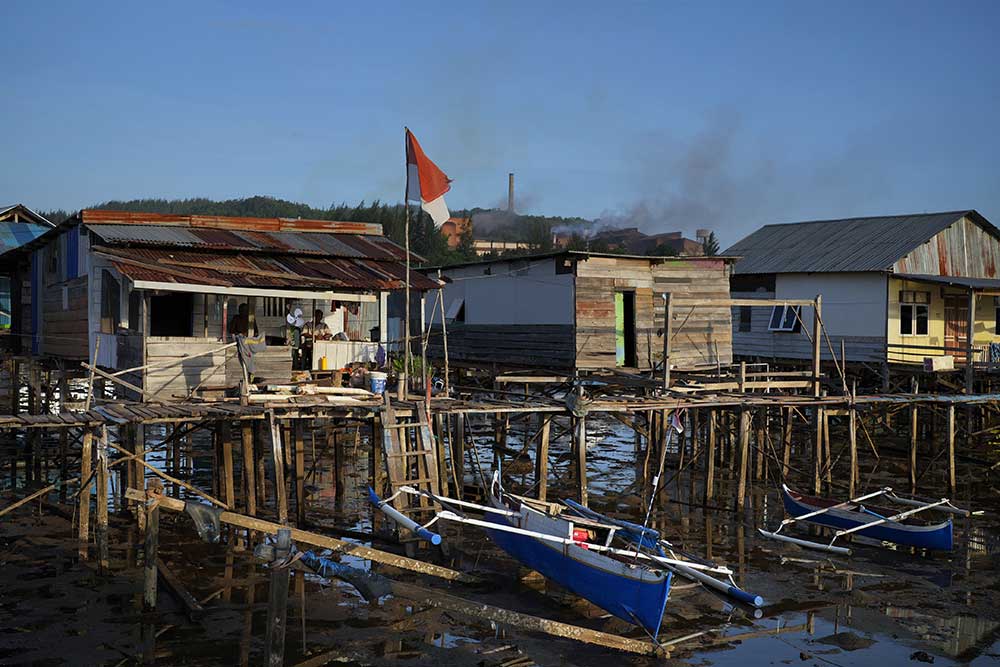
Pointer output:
852, 516
576, 547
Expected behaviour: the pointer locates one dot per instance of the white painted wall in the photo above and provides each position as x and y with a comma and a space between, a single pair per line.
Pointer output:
853, 303
514, 292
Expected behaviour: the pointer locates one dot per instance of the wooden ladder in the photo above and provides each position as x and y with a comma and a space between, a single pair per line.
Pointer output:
411, 460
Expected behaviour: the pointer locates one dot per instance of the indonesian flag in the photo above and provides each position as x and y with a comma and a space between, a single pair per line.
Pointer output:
425, 182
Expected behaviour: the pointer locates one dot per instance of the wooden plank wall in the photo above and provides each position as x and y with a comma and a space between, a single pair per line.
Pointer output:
702, 336
181, 379
64, 309
531, 345
272, 365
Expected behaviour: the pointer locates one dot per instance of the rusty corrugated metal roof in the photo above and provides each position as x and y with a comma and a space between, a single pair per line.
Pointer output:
848, 245
245, 270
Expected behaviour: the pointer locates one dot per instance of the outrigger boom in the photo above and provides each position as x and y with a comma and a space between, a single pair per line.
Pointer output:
699, 572
850, 516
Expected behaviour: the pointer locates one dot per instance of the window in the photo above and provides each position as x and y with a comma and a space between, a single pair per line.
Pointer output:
274, 306
913, 308
745, 319
784, 318
110, 303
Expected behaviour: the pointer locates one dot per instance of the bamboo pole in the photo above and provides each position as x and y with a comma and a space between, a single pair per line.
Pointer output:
913, 448
818, 451
853, 435
710, 464
817, 324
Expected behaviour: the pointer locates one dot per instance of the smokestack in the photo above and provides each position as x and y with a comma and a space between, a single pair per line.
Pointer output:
510, 192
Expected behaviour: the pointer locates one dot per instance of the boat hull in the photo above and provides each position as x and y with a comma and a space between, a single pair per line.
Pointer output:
938, 536
632, 593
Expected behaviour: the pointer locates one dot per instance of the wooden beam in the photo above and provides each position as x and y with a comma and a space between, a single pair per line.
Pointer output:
323, 541
251, 291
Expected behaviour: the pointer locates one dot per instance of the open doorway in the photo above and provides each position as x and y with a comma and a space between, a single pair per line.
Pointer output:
625, 353
171, 314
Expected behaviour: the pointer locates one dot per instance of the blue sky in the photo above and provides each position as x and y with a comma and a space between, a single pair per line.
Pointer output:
669, 115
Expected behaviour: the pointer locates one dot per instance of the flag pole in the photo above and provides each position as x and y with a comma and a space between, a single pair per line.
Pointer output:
406, 235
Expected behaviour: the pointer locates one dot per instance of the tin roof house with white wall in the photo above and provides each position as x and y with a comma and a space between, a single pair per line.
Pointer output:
895, 289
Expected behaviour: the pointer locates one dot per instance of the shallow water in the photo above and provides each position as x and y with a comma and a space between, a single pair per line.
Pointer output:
879, 606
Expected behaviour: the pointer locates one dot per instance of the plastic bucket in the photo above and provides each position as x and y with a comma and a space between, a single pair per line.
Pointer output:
377, 382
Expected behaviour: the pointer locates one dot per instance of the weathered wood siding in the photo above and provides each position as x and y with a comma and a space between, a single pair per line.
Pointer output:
531, 345
181, 379
220, 369
963, 249
702, 336
64, 327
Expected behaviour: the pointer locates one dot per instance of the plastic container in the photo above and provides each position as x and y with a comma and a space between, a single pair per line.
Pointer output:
323, 363
376, 381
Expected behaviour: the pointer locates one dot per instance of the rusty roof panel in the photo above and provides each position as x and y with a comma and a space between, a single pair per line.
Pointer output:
252, 270
90, 216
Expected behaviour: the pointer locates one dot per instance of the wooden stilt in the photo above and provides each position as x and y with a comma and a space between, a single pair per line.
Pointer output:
101, 529
151, 549
277, 603
853, 437
827, 453
63, 435
744, 455
300, 474
581, 458
818, 451
913, 448
786, 441
542, 458
952, 482
83, 530
710, 463
249, 487
279, 469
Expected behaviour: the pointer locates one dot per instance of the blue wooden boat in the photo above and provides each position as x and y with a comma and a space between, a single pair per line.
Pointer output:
936, 536
626, 587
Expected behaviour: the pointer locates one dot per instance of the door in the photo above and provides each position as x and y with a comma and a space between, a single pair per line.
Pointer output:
625, 329
956, 326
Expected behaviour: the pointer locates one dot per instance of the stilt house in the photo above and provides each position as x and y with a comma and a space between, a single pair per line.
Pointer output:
895, 289
583, 311
143, 288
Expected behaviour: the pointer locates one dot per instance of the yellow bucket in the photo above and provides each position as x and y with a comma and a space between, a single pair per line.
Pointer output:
323, 363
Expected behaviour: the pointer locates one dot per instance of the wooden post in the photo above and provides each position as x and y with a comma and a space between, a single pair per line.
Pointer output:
458, 453
952, 485
277, 603
63, 435
761, 444
581, 458
853, 435
786, 441
913, 447
818, 452
300, 475
101, 530
138, 434
248, 468
710, 464
741, 380
969, 338
817, 319
827, 453
83, 531
542, 458
744, 455
279, 469
151, 548
668, 317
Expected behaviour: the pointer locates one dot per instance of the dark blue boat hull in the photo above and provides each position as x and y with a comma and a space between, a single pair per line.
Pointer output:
938, 538
630, 599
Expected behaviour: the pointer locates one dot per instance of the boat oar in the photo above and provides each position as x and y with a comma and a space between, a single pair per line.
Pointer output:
401, 519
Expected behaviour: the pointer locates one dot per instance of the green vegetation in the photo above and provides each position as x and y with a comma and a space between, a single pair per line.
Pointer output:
710, 245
